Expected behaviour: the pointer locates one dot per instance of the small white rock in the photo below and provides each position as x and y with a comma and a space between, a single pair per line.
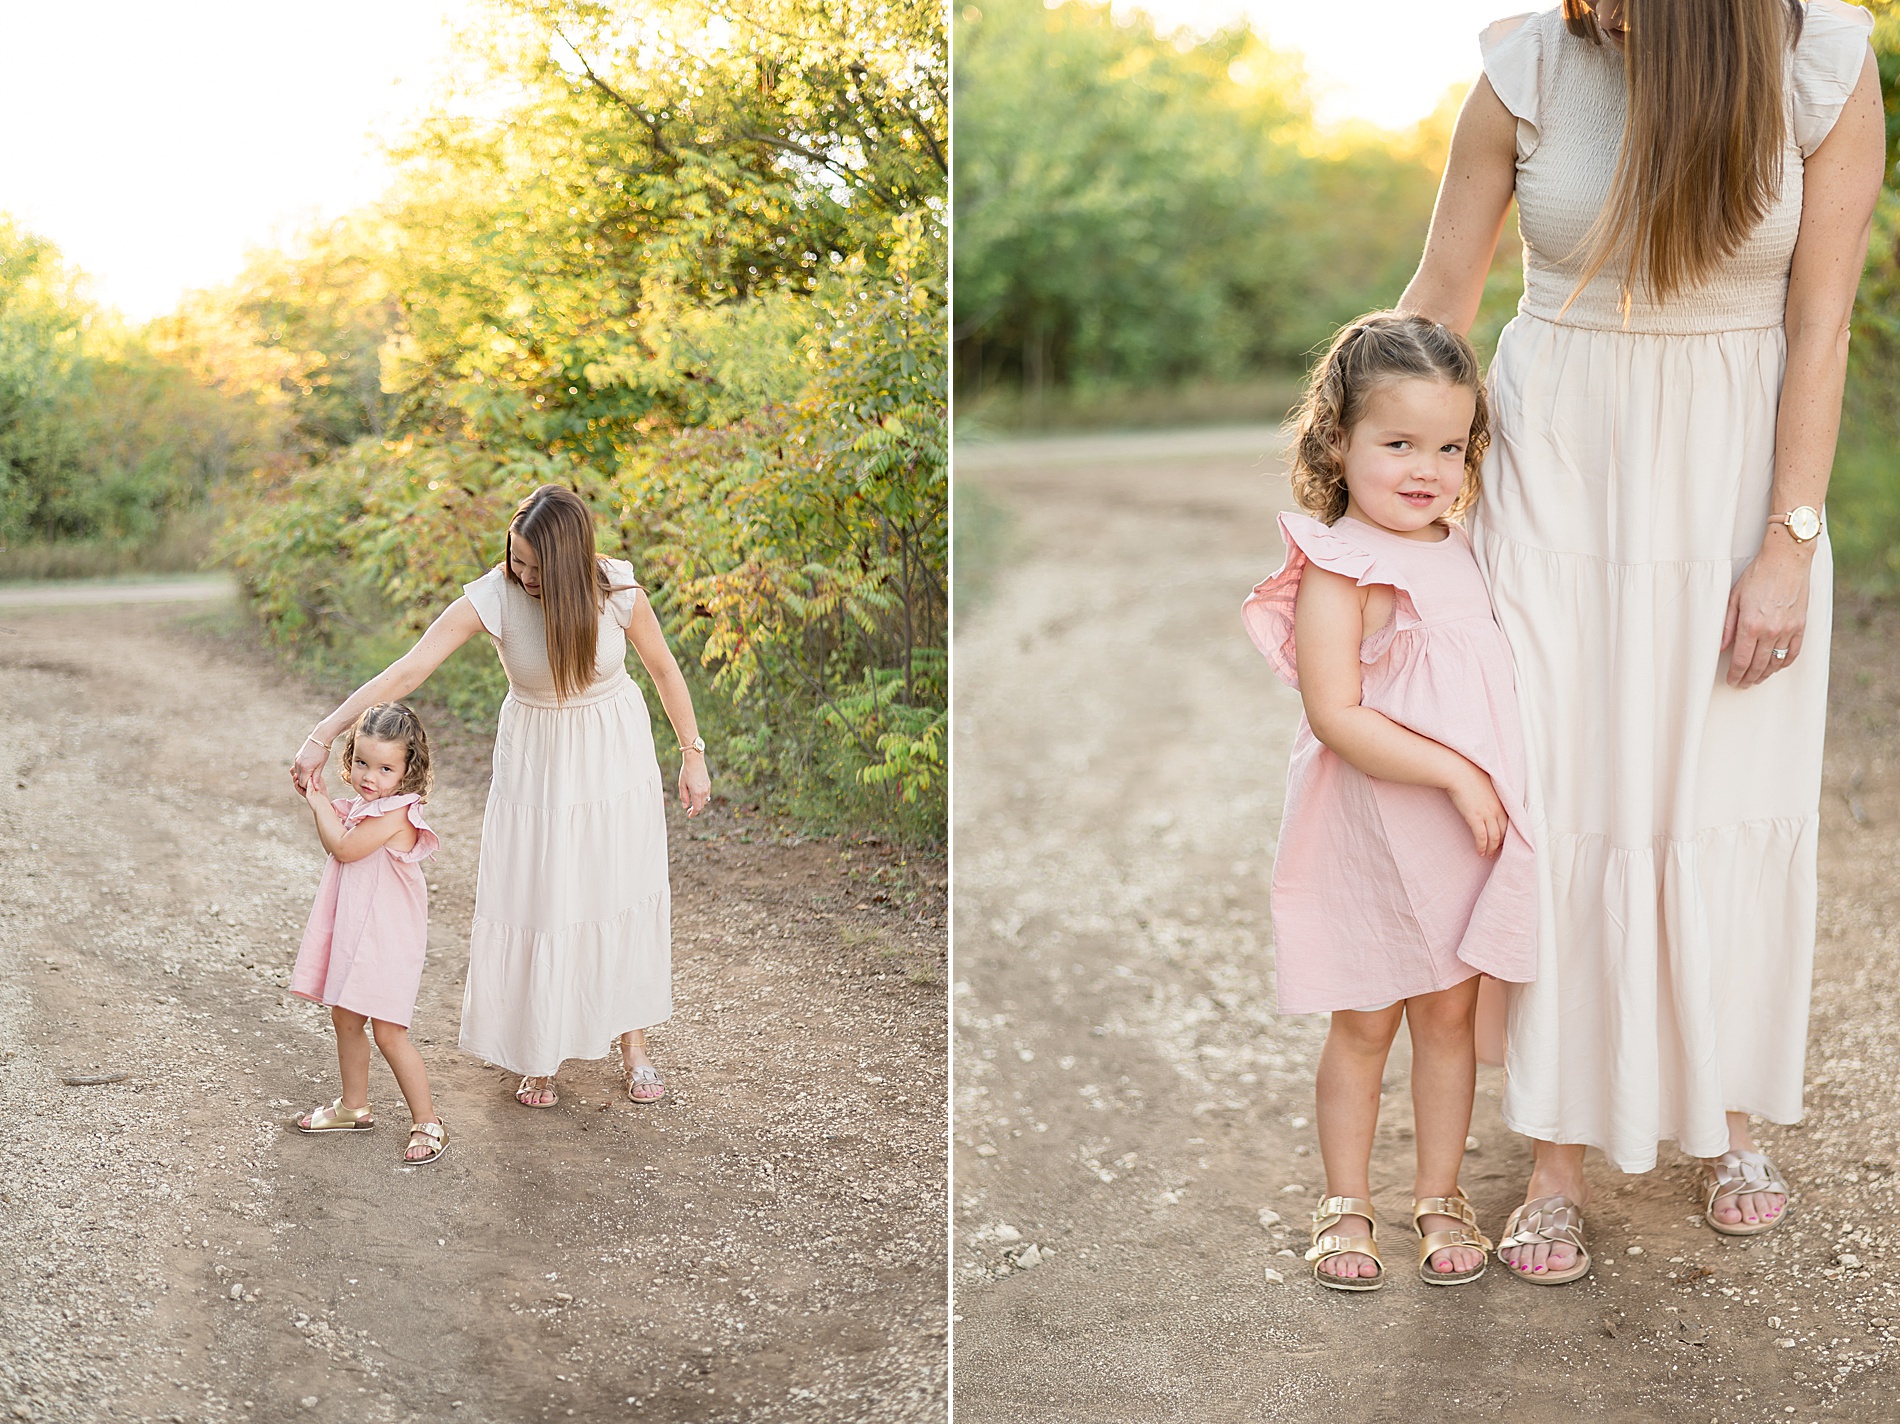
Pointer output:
1274, 1278
1003, 1231
1299, 1122
1029, 1259
1269, 1218
1472, 1144
1849, 1261
309, 1401
983, 1149
1288, 1252
1785, 1343
1291, 1189
1635, 1251
237, 1290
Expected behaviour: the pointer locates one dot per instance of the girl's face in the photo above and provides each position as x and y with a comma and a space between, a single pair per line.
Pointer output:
376, 767
1405, 459
525, 566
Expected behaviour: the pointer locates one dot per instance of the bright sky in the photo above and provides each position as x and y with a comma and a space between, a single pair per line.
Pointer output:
1389, 61
155, 142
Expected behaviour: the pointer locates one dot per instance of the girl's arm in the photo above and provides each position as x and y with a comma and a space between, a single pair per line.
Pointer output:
392, 829
1473, 197
1768, 607
1329, 624
643, 631
455, 626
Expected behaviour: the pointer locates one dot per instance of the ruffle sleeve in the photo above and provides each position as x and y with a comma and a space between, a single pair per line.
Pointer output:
1513, 53
426, 842
1828, 60
1268, 611
484, 596
625, 596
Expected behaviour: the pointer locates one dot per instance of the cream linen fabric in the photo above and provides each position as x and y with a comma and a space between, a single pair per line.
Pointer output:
1626, 489
571, 943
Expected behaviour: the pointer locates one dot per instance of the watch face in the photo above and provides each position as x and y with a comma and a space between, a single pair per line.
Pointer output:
1804, 523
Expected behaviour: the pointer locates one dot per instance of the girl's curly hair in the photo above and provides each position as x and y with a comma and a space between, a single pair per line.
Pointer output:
1383, 346
394, 722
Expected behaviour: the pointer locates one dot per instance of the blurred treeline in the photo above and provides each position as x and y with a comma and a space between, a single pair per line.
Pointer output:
688, 259
1145, 221
1139, 210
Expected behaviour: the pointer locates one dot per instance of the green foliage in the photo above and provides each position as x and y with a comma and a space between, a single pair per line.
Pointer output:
1139, 208
102, 444
688, 261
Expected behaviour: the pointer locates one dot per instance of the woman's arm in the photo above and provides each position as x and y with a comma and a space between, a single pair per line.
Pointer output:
1329, 623
1473, 197
1768, 607
362, 838
453, 627
643, 631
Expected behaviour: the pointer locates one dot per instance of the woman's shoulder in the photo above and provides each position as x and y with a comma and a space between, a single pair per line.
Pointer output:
623, 589
486, 596
1828, 59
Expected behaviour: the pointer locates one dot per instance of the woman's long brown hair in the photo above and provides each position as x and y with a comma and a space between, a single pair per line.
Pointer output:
1702, 143
574, 586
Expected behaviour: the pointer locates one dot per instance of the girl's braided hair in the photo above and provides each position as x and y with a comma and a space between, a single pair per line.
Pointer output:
1384, 346
395, 722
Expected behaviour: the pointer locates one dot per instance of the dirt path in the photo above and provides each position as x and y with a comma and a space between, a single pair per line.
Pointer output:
766, 1245
1127, 1097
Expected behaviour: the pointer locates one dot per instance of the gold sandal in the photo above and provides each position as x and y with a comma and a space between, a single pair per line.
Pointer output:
1735, 1174
336, 1118
1435, 1241
431, 1132
1547, 1221
1326, 1216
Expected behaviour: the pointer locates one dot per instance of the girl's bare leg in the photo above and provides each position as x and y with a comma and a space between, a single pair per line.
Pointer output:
352, 1056
403, 1060
1346, 1102
1444, 1080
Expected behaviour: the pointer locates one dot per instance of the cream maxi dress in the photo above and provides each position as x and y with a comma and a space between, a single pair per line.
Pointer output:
571, 943
1626, 489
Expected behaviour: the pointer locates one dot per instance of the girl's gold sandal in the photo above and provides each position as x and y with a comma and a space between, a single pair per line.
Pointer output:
1326, 1216
336, 1118
1430, 1242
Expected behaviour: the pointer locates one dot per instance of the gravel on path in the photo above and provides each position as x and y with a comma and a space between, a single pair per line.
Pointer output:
767, 1244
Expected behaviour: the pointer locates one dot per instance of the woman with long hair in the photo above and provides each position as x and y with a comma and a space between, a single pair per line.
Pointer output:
571, 944
1695, 182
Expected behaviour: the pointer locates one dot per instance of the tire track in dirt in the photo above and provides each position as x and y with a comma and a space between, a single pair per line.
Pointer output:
1127, 1097
766, 1245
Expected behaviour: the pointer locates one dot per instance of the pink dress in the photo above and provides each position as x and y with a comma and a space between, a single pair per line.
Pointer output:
1378, 891
363, 947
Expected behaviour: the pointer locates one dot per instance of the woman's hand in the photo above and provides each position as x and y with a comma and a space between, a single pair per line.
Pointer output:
695, 783
308, 764
1768, 609
313, 789
1476, 799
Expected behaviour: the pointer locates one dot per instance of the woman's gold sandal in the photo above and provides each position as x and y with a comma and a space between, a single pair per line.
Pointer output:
647, 1078
336, 1118
1430, 1242
527, 1092
1328, 1214
1736, 1174
432, 1133
1546, 1221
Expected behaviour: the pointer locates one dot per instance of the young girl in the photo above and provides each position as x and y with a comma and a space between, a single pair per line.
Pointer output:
1403, 873
363, 948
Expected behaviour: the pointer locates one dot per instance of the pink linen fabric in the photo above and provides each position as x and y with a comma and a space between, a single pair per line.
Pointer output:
1378, 891
364, 945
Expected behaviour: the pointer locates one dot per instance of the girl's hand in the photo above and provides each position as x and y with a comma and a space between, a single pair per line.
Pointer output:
1476, 799
313, 791
310, 760
695, 783
1768, 609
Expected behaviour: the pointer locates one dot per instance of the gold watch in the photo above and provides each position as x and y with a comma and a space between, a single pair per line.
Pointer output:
1803, 522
